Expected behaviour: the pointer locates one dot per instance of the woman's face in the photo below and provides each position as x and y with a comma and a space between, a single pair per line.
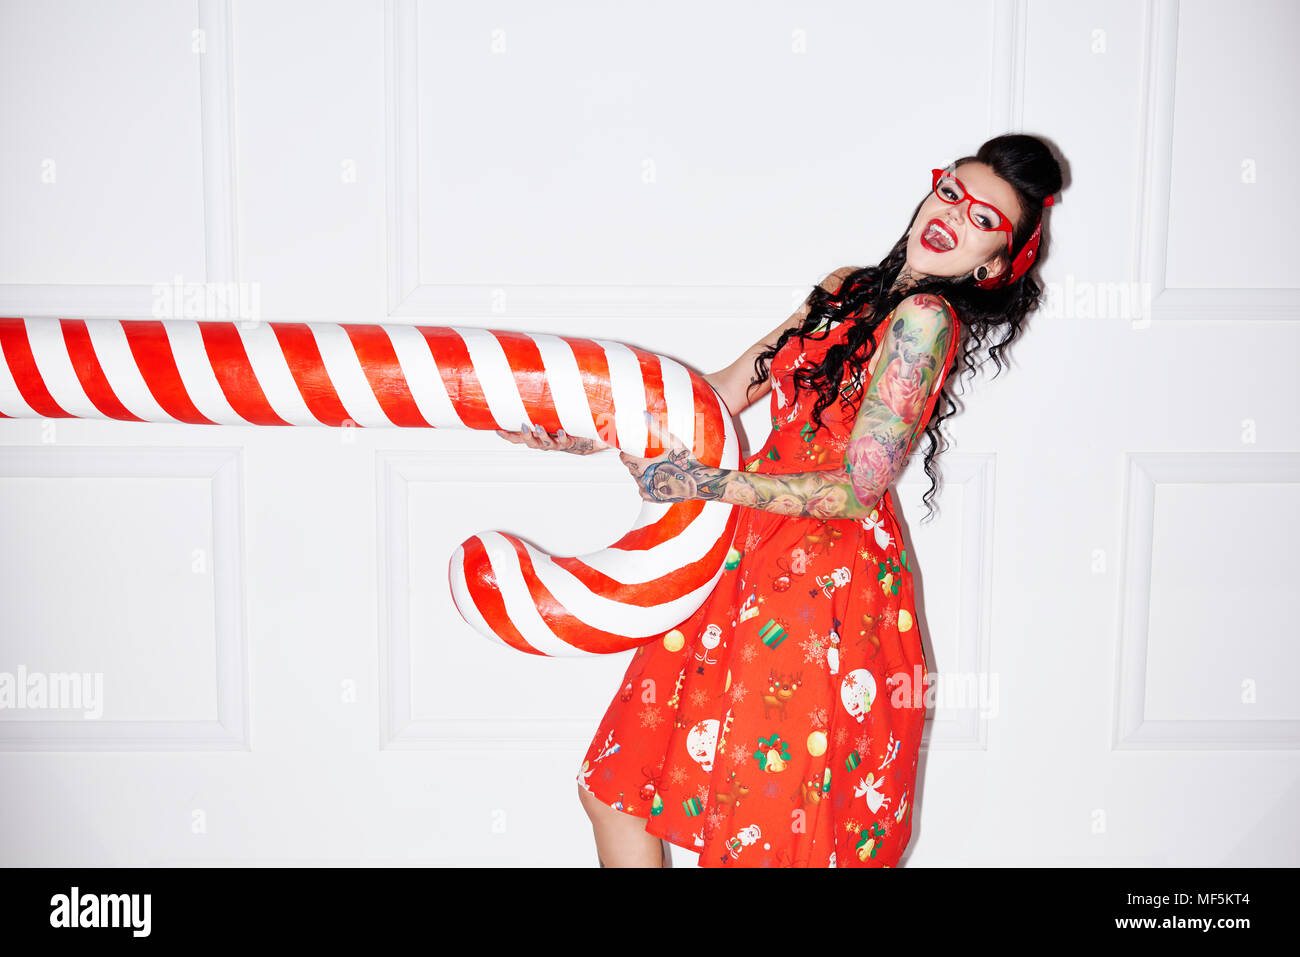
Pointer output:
944, 242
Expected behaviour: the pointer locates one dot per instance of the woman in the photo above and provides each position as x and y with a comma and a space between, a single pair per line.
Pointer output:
779, 726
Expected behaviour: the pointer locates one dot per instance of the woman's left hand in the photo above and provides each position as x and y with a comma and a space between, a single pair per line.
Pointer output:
668, 477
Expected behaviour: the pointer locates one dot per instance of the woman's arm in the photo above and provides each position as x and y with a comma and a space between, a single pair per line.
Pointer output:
732, 382
903, 372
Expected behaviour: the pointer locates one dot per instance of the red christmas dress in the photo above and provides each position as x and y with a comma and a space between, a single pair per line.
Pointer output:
779, 725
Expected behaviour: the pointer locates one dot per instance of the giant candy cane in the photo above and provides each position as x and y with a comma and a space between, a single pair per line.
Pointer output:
334, 374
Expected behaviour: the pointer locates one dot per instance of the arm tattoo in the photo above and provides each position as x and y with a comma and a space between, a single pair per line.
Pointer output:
903, 373
582, 446
821, 494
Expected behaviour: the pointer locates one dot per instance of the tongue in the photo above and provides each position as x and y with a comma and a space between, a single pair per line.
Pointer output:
938, 237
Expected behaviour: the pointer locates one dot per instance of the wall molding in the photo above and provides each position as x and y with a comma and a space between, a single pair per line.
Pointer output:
407, 296
223, 467
963, 729
1145, 473
1155, 149
401, 728
220, 211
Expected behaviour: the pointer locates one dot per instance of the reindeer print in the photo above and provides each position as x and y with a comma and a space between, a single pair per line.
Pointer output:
780, 692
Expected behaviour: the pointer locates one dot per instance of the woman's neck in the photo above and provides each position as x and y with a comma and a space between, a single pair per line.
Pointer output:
906, 280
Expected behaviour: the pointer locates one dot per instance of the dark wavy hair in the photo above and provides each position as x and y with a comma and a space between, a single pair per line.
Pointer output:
1029, 167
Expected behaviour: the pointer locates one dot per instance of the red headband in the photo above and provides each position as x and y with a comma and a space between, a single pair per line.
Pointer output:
1024, 259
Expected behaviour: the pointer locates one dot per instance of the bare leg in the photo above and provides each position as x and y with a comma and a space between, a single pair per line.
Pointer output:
621, 839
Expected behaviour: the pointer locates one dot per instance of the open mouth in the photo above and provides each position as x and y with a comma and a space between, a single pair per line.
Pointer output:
938, 237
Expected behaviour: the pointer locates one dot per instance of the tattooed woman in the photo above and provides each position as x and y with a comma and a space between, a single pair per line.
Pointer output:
780, 725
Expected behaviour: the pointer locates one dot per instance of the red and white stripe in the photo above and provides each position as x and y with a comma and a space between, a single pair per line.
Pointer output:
370, 375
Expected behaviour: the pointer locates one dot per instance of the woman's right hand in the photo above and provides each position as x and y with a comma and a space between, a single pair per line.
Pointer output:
560, 442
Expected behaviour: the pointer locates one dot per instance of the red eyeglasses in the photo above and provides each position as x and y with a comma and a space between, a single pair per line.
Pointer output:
982, 215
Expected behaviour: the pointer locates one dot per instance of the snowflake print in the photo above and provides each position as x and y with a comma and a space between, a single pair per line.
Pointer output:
738, 754
772, 790
814, 652
699, 697
805, 614
678, 776
840, 800
881, 826
817, 717
738, 691
651, 717
863, 744
607, 774
890, 617
840, 737
748, 653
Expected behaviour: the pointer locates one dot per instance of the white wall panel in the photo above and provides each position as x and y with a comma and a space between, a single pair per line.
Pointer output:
1112, 554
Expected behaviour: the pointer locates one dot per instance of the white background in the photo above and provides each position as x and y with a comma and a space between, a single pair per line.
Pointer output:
285, 677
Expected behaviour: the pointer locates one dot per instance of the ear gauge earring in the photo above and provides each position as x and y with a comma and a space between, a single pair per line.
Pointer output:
982, 273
